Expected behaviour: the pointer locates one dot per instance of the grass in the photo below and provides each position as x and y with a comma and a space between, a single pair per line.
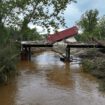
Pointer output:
8, 60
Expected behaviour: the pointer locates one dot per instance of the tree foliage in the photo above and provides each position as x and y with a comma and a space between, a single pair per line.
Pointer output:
40, 12
45, 13
89, 20
88, 24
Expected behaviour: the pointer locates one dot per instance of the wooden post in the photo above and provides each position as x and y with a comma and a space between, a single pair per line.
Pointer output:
67, 53
29, 53
24, 53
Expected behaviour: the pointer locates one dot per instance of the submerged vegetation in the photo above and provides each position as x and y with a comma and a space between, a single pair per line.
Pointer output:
95, 65
8, 54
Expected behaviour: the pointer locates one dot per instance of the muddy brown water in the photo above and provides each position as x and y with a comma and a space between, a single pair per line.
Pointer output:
48, 81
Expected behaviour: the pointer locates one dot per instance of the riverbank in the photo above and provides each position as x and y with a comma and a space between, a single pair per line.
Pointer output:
9, 56
93, 62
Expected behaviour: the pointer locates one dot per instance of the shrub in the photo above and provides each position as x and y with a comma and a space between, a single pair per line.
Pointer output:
8, 61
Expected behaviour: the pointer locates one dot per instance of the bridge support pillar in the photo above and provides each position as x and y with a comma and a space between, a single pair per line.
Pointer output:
67, 54
26, 53
29, 53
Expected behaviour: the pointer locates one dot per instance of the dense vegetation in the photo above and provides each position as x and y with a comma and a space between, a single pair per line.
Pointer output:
8, 53
93, 63
92, 28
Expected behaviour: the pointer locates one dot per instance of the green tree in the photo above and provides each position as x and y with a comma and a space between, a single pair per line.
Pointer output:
89, 20
7, 47
15, 15
88, 24
45, 13
40, 12
28, 34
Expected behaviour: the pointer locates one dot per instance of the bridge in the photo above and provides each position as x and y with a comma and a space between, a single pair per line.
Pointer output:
56, 37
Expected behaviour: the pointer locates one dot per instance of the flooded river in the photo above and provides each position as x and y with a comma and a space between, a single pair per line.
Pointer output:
48, 81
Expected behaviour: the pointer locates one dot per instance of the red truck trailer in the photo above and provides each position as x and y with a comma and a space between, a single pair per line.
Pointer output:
58, 36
